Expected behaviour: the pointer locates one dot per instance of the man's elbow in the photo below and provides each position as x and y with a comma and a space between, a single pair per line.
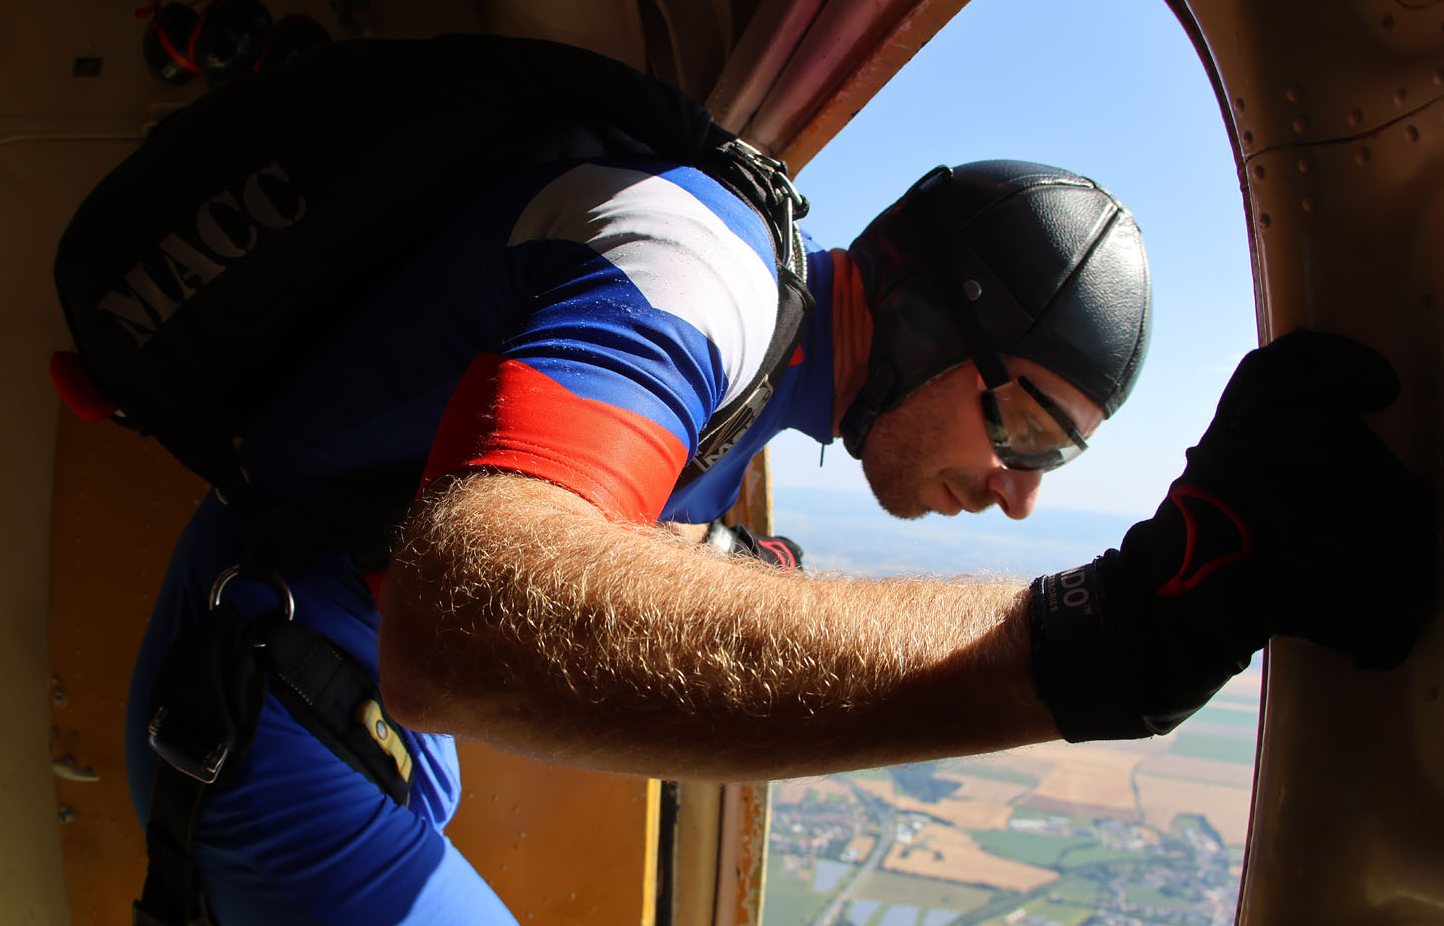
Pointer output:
407, 679
431, 678
455, 655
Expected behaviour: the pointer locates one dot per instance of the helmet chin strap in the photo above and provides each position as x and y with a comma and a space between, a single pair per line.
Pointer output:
857, 420
876, 395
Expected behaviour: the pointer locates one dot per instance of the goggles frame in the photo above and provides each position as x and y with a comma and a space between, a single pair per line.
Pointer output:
998, 431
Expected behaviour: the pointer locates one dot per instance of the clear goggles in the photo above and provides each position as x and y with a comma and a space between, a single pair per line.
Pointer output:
1028, 430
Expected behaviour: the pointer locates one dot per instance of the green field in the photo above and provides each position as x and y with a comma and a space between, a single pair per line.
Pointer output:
1219, 748
929, 893
790, 900
1150, 897
1030, 813
1220, 715
1075, 890
1067, 914
989, 770
1043, 851
1093, 854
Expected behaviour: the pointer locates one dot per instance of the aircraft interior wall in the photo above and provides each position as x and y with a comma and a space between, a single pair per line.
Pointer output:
1337, 112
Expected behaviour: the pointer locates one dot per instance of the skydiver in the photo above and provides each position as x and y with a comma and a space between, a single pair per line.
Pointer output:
556, 350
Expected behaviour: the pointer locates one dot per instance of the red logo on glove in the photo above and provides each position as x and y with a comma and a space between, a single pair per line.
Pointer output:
1188, 577
785, 560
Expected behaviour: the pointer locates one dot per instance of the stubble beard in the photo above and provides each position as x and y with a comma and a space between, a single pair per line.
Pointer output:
891, 474
896, 475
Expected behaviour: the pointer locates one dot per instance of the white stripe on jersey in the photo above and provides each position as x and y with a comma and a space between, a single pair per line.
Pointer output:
674, 249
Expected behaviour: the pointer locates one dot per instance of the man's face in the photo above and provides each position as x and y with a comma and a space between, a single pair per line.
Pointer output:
932, 452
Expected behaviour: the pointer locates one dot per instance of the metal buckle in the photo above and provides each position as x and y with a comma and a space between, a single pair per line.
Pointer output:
193, 757
793, 203
222, 580
777, 169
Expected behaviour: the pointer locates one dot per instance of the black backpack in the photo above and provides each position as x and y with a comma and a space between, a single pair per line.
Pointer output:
246, 226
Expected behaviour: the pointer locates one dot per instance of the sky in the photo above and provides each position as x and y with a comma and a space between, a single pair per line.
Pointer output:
1113, 90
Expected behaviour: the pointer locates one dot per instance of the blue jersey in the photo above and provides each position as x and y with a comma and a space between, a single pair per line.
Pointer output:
579, 324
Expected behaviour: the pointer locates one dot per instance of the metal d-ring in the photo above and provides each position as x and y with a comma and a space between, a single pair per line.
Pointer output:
280, 585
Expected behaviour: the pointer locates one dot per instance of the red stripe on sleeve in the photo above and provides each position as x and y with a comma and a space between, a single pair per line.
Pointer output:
507, 416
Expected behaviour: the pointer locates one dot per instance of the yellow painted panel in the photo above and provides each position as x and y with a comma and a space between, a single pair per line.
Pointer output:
560, 846
120, 502
720, 853
742, 872
35, 206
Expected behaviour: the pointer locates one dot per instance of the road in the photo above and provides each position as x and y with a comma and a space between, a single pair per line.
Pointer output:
831, 914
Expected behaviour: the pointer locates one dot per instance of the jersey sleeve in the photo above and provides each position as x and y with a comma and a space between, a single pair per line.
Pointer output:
649, 301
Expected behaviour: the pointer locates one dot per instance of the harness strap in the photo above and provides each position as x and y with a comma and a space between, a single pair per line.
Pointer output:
203, 713
172, 895
762, 183
329, 694
205, 707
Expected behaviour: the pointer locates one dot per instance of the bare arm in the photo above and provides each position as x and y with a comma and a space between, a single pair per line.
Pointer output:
519, 615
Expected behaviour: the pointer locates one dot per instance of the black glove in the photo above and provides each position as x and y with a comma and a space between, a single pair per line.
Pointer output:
774, 551
1292, 517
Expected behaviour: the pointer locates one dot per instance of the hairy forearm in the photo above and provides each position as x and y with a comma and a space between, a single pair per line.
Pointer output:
517, 614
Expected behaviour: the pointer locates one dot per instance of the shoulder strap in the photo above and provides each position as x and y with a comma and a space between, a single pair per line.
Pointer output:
204, 711
329, 694
172, 895
763, 184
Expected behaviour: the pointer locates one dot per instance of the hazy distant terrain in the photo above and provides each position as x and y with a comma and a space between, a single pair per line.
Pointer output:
847, 532
1097, 834
1133, 832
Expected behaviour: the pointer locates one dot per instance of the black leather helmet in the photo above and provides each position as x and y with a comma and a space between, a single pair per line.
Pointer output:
1001, 257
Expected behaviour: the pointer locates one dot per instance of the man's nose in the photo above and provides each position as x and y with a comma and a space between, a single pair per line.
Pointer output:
1015, 490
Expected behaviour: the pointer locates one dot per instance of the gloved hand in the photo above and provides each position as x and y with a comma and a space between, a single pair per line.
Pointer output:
1291, 517
774, 551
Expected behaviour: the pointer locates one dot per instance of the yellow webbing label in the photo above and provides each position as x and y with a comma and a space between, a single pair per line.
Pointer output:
386, 736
